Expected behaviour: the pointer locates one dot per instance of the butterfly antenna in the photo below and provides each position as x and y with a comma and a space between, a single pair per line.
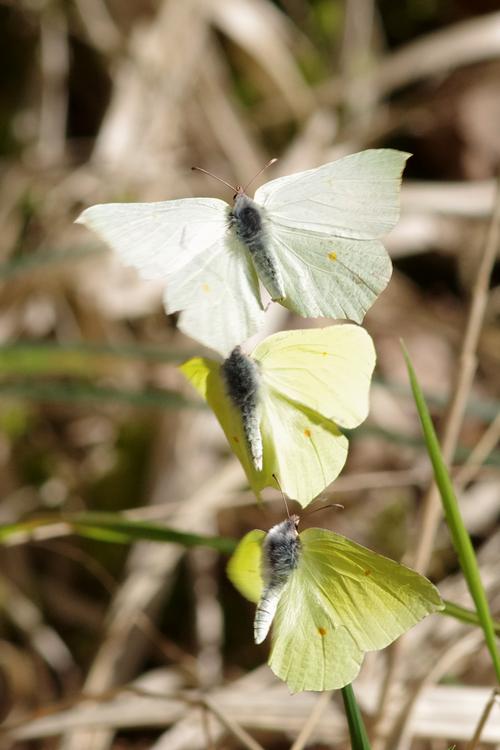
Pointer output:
282, 494
269, 163
324, 507
210, 174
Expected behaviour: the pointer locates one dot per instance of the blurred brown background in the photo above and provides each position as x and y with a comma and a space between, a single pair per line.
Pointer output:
102, 101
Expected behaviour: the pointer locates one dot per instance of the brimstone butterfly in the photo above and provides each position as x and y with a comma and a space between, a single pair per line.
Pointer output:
311, 238
330, 600
281, 407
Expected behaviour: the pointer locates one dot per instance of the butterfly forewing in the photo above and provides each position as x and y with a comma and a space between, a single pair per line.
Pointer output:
354, 197
158, 238
375, 598
210, 276
327, 370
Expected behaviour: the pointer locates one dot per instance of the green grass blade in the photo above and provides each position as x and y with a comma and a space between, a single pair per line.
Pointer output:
357, 731
460, 537
468, 616
45, 258
78, 391
116, 529
48, 357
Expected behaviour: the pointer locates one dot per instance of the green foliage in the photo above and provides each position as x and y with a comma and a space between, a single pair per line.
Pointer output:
80, 391
357, 731
456, 526
114, 528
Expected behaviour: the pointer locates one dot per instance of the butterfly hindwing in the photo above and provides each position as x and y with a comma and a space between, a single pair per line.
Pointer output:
303, 449
330, 277
244, 567
309, 650
218, 295
210, 276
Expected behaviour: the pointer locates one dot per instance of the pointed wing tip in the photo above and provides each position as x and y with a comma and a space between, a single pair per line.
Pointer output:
438, 604
90, 212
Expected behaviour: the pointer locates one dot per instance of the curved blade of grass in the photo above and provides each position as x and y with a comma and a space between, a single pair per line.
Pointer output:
47, 357
459, 535
75, 392
116, 529
41, 259
357, 731
468, 616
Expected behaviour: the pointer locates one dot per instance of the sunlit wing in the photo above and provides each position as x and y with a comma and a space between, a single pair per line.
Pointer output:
327, 370
376, 599
244, 567
354, 197
210, 276
218, 295
323, 226
330, 277
342, 601
310, 651
303, 449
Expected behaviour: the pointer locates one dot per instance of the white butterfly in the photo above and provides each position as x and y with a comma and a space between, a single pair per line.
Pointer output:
311, 238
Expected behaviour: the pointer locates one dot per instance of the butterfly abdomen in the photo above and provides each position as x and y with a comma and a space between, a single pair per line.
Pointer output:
241, 377
246, 218
280, 557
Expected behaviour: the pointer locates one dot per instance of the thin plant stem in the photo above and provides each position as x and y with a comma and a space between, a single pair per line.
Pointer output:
357, 731
476, 737
460, 537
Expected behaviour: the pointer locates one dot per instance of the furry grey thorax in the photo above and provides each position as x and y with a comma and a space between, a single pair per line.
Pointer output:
248, 220
241, 378
280, 552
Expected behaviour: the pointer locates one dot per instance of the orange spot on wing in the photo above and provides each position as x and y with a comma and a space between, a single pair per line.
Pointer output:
368, 572
332, 256
236, 439
307, 433
205, 288
322, 632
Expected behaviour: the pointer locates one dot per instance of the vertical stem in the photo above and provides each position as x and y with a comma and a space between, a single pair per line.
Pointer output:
357, 731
